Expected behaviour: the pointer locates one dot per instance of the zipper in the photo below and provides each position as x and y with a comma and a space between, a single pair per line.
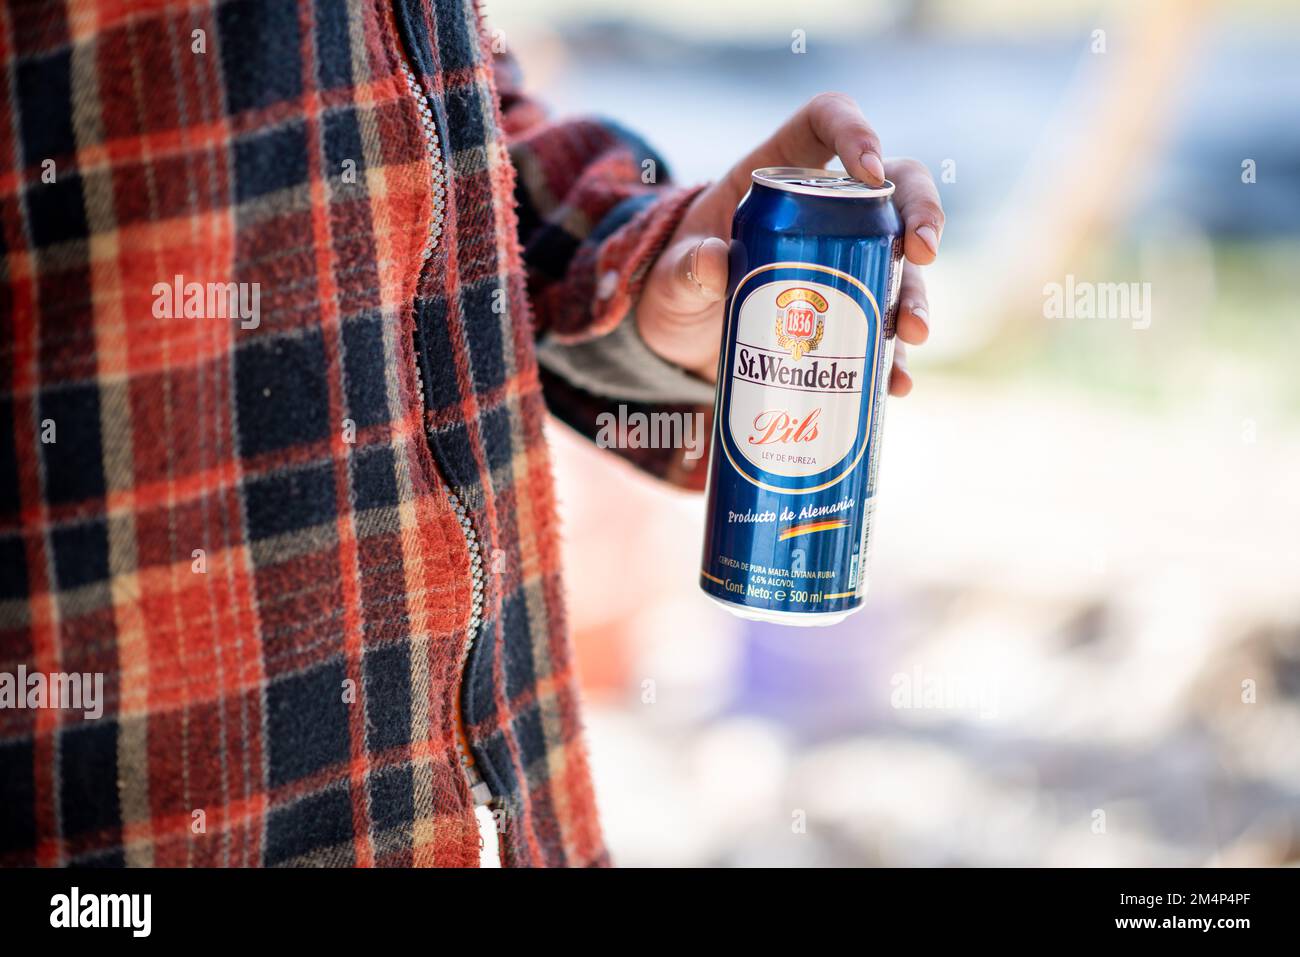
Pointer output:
432, 146
481, 793
477, 786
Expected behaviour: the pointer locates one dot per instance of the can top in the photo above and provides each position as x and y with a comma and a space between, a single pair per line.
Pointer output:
819, 182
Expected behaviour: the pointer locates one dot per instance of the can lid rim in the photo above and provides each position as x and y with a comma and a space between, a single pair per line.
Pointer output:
795, 179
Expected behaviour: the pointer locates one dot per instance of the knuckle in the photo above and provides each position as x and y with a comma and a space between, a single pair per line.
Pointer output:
831, 100
865, 131
911, 166
922, 211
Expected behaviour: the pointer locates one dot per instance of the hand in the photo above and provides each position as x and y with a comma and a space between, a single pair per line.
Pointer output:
679, 314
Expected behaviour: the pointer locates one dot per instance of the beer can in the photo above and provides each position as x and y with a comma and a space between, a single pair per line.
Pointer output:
807, 347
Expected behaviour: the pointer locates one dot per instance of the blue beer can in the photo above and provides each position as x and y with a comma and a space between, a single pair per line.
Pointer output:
807, 346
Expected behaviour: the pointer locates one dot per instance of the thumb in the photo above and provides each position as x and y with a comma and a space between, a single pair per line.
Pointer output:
680, 311
701, 272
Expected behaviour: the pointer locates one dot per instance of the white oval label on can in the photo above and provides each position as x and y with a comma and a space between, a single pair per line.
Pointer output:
797, 376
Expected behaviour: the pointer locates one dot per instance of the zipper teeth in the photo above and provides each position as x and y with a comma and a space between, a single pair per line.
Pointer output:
433, 147
478, 582
475, 616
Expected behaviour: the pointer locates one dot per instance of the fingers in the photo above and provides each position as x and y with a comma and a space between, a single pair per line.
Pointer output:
836, 124
913, 326
900, 380
913, 307
830, 124
917, 200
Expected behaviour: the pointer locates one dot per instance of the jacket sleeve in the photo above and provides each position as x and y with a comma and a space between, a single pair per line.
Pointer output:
596, 207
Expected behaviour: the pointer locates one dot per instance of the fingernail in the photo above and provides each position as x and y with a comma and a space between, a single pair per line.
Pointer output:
875, 169
920, 312
711, 291
692, 266
930, 237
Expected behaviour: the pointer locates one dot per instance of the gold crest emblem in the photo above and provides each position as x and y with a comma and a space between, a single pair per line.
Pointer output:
799, 322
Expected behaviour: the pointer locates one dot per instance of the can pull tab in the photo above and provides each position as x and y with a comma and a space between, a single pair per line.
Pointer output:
895, 286
829, 182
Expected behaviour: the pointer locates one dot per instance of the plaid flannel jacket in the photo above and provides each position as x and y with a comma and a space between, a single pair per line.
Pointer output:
247, 524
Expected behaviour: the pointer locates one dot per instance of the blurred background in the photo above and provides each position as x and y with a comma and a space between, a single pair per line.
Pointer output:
1082, 641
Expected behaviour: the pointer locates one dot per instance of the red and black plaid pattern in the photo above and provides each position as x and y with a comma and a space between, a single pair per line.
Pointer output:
247, 531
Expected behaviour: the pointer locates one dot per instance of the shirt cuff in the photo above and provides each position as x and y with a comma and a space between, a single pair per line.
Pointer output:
619, 365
